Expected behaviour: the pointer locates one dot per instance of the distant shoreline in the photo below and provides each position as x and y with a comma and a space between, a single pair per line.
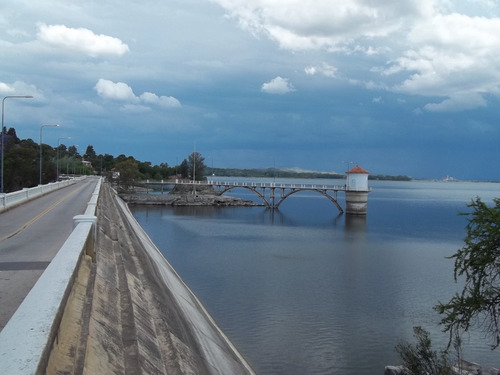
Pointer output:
291, 173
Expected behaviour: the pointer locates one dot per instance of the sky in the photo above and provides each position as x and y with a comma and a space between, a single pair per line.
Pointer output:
400, 87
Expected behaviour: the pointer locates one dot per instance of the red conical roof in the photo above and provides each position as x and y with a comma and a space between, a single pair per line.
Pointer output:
358, 169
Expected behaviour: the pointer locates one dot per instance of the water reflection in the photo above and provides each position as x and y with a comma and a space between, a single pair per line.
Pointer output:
355, 223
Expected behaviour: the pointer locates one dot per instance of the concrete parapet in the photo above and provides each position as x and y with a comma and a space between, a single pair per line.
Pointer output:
26, 340
10, 200
92, 205
90, 245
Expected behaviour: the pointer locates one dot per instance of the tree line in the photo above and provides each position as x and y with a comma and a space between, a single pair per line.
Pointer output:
22, 164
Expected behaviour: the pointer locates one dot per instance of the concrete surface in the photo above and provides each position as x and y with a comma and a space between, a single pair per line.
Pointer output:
130, 313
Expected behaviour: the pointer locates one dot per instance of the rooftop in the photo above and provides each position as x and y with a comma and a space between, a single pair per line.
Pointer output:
358, 169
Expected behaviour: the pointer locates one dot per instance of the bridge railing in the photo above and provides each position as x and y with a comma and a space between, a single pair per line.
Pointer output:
27, 338
15, 198
276, 185
264, 185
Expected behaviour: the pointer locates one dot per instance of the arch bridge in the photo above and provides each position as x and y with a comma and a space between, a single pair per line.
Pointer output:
273, 194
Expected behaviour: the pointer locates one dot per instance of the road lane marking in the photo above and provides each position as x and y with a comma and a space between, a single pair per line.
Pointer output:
41, 214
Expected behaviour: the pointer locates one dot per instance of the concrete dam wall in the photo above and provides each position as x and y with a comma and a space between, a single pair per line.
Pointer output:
130, 313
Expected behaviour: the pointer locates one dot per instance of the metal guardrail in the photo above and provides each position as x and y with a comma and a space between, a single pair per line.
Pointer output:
15, 198
26, 340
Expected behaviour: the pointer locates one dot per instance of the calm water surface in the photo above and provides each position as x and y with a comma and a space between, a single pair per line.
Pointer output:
305, 290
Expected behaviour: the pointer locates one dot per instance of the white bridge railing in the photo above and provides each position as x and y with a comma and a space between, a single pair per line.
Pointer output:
276, 185
15, 198
264, 185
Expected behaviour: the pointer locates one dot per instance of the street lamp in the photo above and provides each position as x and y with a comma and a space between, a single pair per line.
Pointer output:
41, 128
57, 160
3, 133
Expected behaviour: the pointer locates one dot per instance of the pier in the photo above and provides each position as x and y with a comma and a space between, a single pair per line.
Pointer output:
273, 194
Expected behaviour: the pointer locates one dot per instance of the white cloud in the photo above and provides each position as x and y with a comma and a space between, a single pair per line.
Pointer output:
21, 88
121, 91
316, 24
278, 85
81, 39
431, 49
324, 69
310, 70
457, 102
111, 90
6, 89
164, 101
452, 54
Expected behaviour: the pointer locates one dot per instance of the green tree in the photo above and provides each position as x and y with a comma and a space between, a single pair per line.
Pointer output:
146, 169
421, 359
72, 151
63, 150
478, 305
161, 171
184, 169
49, 155
108, 162
196, 165
129, 173
122, 157
21, 166
12, 135
90, 155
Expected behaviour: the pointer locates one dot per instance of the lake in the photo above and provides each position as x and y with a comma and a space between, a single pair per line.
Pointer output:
306, 290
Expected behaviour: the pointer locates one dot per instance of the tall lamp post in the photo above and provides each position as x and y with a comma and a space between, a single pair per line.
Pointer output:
41, 128
3, 133
57, 160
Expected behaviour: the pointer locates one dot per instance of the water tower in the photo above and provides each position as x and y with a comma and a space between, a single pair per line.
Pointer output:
356, 193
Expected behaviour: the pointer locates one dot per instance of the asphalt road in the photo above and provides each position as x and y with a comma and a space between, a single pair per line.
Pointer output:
31, 235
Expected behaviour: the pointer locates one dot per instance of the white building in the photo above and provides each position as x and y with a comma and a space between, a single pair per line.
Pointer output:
357, 179
356, 194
